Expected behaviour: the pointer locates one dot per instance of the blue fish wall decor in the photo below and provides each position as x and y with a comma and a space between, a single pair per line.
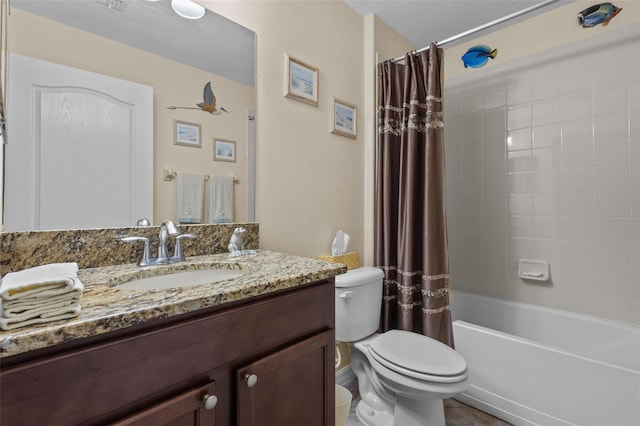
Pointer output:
478, 56
598, 14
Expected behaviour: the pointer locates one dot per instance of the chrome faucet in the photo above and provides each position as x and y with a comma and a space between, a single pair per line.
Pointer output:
167, 229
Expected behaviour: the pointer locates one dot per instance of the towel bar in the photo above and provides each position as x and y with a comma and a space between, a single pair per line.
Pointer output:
170, 174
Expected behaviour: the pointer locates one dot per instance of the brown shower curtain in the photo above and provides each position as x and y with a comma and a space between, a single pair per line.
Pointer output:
410, 224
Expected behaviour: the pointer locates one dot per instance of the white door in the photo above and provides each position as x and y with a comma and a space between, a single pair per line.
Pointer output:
80, 148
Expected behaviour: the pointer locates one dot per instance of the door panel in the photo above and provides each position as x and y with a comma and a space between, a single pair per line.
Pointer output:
80, 150
294, 386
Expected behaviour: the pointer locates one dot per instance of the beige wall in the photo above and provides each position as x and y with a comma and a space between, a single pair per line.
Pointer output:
309, 182
173, 84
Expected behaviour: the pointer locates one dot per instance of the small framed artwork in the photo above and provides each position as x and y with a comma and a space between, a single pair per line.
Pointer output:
300, 81
186, 134
343, 118
224, 150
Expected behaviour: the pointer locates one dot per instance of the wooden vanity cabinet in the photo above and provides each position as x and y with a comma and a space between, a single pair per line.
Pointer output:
284, 388
266, 361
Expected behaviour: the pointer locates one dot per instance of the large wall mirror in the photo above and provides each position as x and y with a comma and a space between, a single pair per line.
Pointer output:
147, 44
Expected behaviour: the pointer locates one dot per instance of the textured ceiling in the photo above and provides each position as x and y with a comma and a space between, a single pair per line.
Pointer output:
213, 43
422, 22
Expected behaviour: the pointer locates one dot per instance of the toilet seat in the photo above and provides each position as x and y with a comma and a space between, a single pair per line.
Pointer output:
418, 356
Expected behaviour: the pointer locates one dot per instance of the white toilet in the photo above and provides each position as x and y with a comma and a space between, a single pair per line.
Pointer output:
402, 376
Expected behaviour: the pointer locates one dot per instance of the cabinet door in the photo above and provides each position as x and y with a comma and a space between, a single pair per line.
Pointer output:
294, 386
193, 407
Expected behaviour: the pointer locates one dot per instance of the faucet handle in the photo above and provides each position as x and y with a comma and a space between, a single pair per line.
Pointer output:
178, 256
146, 254
143, 221
181, 236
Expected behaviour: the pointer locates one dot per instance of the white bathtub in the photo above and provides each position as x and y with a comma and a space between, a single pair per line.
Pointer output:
533, 365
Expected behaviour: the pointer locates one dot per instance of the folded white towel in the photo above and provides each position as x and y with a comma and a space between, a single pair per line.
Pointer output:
37, 300
45, 281
44, 294
33, 308
189, 198
221, 200
34, 300
52, 315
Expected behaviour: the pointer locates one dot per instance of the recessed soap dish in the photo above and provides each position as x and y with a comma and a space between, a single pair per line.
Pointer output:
537, 270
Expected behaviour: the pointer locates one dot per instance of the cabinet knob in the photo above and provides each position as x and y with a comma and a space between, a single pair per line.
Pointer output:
209, 401
250, 380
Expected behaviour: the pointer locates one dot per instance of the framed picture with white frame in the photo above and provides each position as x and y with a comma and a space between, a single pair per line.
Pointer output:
224, 150
343, 118
300, 81
186, 134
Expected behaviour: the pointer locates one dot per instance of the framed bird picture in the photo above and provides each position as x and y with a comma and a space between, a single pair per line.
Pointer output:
300, 81
186, 134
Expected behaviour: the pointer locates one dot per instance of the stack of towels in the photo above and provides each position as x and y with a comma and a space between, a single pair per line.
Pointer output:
41, 294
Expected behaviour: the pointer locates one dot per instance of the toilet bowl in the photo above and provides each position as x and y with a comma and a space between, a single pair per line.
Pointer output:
403, 377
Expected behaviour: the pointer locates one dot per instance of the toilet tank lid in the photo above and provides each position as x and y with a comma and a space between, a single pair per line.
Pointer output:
359, 276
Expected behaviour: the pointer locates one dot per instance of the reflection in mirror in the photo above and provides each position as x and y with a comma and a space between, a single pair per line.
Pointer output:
146, 44
3, 64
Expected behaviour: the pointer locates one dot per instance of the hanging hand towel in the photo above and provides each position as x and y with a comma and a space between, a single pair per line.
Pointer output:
221, 199
45, 280
189, 198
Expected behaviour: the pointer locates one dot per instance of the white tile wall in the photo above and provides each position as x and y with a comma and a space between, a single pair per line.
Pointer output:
543, 161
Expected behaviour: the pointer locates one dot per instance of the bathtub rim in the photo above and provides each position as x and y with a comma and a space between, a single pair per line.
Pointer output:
627, 326
608, 328
519, 339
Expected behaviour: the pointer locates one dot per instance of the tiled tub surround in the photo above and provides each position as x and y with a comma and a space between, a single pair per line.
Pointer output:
543, 162
105, 308
92, 248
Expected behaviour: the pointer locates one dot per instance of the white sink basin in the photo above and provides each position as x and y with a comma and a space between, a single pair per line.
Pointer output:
182, 279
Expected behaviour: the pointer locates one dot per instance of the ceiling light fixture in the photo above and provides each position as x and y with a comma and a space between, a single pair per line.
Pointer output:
187, 9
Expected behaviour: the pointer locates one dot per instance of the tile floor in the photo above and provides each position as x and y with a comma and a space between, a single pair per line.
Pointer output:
456, 413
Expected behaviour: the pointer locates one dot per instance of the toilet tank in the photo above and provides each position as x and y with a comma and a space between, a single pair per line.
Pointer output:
358, 300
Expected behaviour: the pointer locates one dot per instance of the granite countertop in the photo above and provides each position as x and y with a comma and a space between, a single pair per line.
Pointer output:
106, 308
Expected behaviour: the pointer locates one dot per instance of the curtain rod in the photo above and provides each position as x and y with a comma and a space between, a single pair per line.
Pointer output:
484, 27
